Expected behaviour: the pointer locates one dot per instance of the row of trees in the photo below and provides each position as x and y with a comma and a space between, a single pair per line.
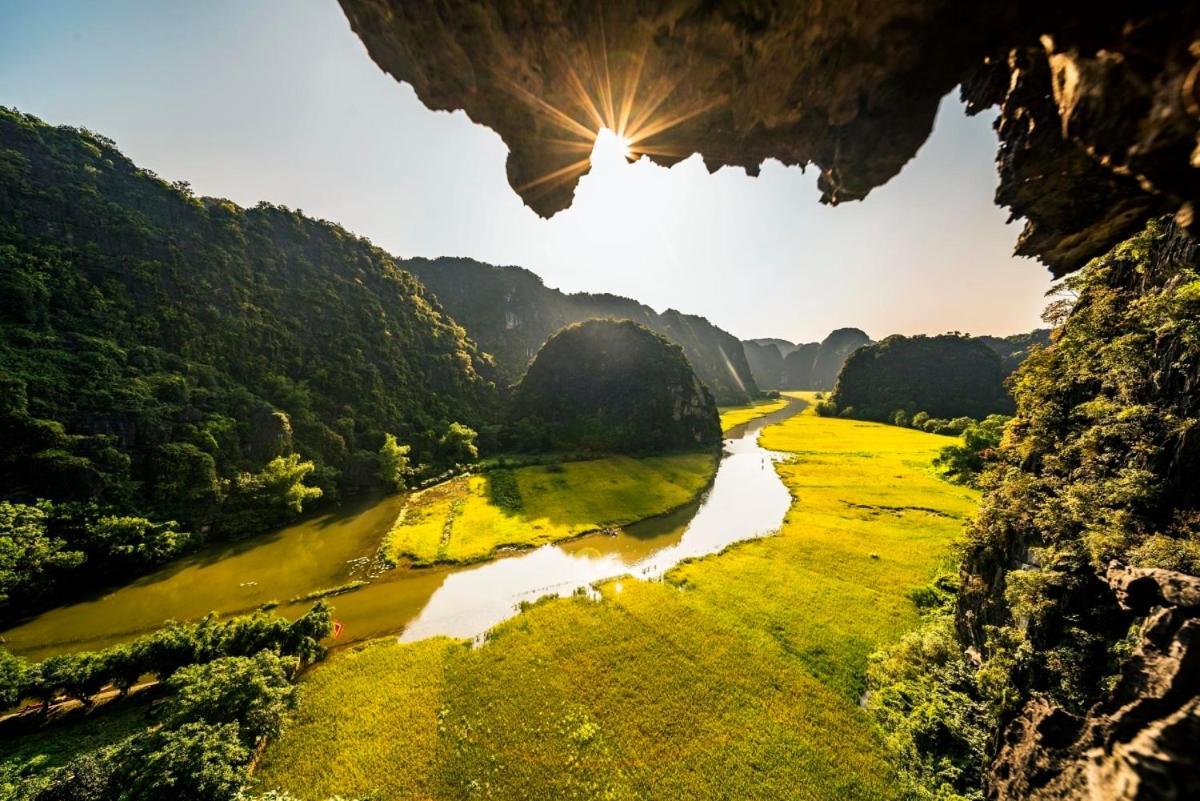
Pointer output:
230, 686
160, 654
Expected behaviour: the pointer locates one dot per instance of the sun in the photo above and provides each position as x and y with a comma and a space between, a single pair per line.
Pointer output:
610, 146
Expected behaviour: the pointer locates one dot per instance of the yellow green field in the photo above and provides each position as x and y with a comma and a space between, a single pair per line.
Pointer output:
732, 416
736, 678
471, 517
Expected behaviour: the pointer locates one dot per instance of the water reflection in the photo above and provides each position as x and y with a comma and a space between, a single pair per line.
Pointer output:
746, 500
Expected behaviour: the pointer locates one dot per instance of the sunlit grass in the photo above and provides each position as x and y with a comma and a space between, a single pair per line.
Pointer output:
733, 416
471, 517
737, 678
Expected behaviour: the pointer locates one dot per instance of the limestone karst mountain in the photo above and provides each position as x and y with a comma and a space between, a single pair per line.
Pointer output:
510, 313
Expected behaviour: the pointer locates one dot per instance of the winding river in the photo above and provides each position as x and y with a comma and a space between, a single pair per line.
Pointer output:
746, 500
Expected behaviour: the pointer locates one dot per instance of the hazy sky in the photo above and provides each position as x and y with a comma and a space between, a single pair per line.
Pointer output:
277, 100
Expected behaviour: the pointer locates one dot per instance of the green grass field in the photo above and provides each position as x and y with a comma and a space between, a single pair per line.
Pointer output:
471, 517
737, 678
732, 416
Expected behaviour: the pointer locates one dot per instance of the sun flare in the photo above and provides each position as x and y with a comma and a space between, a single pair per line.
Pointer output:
610, 146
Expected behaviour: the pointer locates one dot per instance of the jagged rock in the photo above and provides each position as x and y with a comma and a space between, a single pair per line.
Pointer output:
1099, 102
1143, 741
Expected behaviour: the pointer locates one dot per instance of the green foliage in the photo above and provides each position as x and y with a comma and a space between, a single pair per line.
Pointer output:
196, 761
165, 651
394, 470
922, 692
1098, 464
270, 497
253, 692
612, 386
457, 446
947, 376
156, 348
230, 685
29, 555
43, 546
963, 463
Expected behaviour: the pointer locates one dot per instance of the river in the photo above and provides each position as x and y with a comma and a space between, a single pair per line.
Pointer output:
746, 500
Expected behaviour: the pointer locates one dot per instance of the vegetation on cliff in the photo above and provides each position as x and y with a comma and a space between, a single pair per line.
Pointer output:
1098, 464
174, 366
612, 386
510, 313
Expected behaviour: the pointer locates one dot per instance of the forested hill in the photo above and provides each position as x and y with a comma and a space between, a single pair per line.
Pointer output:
154, 345
510, 313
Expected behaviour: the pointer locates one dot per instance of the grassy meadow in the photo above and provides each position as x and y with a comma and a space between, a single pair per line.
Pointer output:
736, 678
471, 517
733, 416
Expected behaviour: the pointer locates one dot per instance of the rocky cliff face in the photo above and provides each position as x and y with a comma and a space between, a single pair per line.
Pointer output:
798, 366
832, 354
1140, 741
766, 363
1099, 102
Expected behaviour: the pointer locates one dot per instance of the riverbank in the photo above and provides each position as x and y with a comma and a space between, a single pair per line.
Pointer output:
738, 676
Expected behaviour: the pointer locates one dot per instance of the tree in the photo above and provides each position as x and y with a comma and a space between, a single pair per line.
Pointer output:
394, 469
12, 678
457, 445
29, 555
254, 692
194, 762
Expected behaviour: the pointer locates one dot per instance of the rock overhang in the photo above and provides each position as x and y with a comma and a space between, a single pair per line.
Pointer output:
1099, 104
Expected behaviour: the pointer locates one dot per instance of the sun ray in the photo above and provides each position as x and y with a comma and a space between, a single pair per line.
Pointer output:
561, 175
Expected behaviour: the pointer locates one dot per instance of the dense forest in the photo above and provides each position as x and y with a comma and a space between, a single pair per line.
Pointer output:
509, 312
606, 385
175, 367
944, 376
1068, 608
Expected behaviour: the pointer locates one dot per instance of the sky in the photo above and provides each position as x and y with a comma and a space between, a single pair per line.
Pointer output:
277, 100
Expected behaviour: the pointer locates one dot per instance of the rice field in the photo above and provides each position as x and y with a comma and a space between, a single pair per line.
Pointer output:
737, 677
470, 518
733, 416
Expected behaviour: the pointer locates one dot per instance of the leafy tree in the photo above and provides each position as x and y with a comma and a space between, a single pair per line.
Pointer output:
980, 440
196, 761
457, 445
394, 469
12, 679
270, 497
28, 554
254, 692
